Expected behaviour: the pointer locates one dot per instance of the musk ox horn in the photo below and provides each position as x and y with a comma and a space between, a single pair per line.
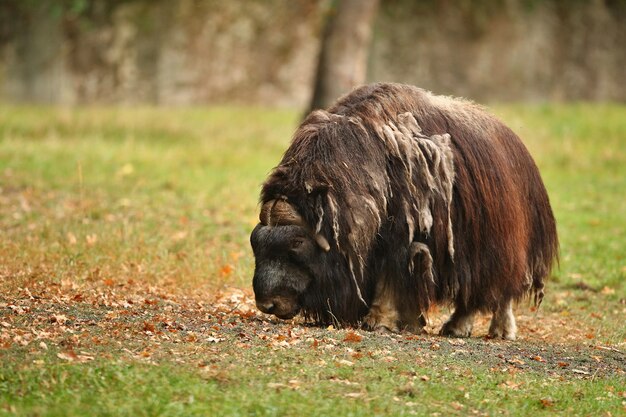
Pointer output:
264, 216
280, 213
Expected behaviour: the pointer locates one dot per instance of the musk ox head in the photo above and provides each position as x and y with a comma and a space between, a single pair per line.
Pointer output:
287, 256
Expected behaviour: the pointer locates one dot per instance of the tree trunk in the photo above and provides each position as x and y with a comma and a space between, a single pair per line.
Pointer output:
342, 63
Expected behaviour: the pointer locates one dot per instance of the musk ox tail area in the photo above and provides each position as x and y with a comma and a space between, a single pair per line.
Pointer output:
417, 199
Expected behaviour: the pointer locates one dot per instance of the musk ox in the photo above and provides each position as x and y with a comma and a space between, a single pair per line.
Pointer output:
395, 199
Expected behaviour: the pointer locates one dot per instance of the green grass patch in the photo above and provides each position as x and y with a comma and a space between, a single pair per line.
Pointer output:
292, 382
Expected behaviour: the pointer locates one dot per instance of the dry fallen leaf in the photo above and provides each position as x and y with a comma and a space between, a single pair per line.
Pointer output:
607, 290
510, 385
457, 405
356, 355
178, 236
226, 270
125, 170
342, 381
212, 339
58, 318
91, 239
353, 337
17, 309
68, 355
71, 238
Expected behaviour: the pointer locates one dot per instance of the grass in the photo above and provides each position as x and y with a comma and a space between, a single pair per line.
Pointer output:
143, 390
170, 192
124, 231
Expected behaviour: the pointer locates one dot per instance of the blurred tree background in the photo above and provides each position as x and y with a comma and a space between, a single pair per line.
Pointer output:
344, 48
267, 51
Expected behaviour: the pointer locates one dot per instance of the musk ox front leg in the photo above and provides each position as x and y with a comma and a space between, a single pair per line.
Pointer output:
503, 322
385, 316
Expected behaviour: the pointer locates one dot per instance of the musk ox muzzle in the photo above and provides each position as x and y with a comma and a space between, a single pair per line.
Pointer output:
276, 292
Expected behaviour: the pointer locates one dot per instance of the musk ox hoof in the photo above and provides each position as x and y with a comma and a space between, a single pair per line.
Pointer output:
458, 327
379, 322
498, 330
501, 334
384, 330
380, 327
451, 331
414, 328
503, 323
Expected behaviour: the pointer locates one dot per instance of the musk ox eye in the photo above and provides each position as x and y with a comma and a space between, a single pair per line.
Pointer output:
296, 243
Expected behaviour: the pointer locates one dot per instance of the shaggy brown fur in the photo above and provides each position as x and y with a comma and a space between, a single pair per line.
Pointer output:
423, 199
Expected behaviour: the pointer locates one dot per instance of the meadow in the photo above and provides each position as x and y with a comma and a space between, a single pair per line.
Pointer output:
125, 278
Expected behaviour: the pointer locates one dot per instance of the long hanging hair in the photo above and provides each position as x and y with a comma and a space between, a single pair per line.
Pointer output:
432, 194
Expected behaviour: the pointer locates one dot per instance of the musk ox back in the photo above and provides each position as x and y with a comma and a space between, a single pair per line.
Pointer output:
395, 199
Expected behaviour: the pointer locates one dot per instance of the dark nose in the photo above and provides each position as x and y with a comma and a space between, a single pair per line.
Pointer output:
266, 307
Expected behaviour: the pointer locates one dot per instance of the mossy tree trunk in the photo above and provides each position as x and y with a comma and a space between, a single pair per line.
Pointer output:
342, 62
